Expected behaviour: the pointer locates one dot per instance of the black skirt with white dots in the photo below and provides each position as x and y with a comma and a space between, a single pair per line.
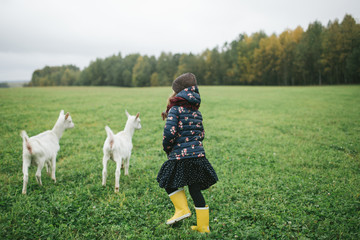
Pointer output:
185, 172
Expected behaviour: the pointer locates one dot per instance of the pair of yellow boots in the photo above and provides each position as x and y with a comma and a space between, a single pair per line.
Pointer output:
182, 211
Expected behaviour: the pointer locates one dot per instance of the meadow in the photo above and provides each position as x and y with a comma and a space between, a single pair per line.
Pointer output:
287, 159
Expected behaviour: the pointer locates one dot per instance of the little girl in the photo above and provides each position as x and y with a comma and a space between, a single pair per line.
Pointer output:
186, 164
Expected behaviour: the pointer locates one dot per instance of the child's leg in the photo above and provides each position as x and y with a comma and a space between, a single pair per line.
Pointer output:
170, 190
202, 210
196, 195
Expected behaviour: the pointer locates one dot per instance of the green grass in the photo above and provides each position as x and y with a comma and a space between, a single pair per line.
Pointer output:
287, 161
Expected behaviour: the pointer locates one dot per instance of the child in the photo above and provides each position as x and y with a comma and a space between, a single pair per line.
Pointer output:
186, 164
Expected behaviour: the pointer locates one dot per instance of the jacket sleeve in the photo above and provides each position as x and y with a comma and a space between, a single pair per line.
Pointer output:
170, 130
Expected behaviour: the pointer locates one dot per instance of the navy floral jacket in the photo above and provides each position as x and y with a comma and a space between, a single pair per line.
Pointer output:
184, 131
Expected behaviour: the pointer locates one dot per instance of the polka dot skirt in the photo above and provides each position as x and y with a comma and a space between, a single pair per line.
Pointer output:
180, 173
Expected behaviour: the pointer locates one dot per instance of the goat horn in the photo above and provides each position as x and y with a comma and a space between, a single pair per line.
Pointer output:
137, 115
67, 115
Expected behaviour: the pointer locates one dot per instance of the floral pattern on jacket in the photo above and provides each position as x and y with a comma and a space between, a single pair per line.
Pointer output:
184, 131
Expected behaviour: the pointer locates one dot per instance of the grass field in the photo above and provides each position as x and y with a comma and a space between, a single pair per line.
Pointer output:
288, 162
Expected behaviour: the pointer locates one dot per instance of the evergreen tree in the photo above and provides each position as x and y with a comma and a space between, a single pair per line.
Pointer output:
321, 55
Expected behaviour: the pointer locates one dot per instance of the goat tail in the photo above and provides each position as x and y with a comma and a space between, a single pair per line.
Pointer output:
110, 135
25, 138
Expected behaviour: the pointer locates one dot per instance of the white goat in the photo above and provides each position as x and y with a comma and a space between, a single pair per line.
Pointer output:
42, 149
118, 148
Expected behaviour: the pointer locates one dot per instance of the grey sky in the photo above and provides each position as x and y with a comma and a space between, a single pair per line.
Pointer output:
36, 33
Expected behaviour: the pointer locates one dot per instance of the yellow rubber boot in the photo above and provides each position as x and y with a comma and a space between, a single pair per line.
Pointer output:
182, 210
202, 218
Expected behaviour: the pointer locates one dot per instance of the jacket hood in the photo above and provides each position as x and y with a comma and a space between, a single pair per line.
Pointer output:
191, 94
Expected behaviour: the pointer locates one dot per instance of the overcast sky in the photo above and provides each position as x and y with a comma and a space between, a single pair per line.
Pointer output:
36, 33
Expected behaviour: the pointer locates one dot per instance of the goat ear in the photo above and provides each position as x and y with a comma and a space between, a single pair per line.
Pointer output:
127, 114
137, 115
61, 112
67, 115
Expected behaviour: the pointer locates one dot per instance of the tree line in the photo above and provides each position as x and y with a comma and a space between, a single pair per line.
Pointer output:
320, 55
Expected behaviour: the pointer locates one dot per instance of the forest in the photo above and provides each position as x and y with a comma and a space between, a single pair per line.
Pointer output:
319, 55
